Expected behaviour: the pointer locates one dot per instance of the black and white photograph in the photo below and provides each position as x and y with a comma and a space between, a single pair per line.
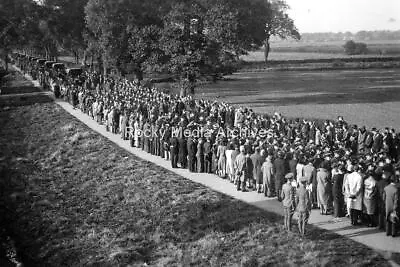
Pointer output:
242, 133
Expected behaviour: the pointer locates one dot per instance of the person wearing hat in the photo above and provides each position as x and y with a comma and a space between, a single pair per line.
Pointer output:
310, 173
337, 180
287, 200
303, 205
362, 136
377, 144
280, 169
385, 172
240, 170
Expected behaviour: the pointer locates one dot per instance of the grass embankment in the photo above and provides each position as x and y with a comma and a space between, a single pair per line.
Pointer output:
75, 199
14, 83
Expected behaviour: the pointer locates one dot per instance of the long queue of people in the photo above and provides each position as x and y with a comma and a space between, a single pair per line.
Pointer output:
346, 170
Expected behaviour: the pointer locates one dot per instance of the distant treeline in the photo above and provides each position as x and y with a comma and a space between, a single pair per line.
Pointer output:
322, 64
344, 36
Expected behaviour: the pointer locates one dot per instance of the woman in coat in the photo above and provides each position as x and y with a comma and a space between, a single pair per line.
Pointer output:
369, 200
230, 171
268, 176
323, 188
221, 156
337, 192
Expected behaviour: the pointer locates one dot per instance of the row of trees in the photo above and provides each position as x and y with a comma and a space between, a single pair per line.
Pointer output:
186, 38
359, 36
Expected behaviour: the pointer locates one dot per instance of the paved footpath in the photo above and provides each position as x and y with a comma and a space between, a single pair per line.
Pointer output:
371, 237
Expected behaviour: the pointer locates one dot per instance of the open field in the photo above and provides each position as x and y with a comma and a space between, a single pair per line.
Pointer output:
364, 97
322, 50
75, 199
258, 56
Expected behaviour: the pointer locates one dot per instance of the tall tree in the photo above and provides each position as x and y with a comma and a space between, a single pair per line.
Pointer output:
200, 38
145, 52
65, 21
184, 43
110, 23
278, 24
18, 24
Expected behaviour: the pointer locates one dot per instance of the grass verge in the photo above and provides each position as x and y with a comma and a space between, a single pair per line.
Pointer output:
75, 199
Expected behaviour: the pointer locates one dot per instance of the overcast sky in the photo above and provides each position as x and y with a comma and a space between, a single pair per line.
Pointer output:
345, 15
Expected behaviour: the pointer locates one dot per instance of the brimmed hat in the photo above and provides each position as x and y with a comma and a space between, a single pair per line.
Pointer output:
289, 176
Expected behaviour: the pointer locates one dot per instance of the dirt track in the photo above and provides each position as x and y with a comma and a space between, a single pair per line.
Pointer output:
364, 97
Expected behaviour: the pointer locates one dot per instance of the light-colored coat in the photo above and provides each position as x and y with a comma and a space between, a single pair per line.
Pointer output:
240, 167
354, 188
230, 170
323, 186
299, 172
370, 195
391, 198
268, 174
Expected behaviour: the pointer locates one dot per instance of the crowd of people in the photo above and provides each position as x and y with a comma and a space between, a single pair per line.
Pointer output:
340, 169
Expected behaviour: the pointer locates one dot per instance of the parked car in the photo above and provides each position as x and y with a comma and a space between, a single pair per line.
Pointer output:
74, 72
49, 64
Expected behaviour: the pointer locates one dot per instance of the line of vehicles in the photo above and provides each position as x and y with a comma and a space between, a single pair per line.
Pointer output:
48, 65
50, 74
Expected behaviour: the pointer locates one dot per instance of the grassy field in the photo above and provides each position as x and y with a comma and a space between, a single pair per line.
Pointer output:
323, 50
364, 97
75, 199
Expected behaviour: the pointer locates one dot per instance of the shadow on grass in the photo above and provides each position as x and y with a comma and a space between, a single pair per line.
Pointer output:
12, 186
15, 101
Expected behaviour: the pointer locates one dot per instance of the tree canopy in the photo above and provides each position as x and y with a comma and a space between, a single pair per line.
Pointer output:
186, 38
279, 24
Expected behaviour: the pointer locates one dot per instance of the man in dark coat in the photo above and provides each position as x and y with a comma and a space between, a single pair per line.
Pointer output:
191, 149
369, 140
280, 170
183, 152
166, 141
377, 141
174, 148
207, 156
200, 155
115, 120
337, 192
310, 172
382, 183
362, 136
